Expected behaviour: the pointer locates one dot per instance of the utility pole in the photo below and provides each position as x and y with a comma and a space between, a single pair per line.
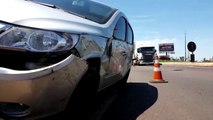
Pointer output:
185, 46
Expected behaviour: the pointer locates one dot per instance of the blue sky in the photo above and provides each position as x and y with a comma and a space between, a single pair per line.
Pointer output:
162, 21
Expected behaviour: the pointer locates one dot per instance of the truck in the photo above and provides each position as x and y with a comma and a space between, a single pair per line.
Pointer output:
144, 54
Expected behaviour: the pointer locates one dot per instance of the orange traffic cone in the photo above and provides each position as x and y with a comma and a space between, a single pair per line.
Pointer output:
157, 73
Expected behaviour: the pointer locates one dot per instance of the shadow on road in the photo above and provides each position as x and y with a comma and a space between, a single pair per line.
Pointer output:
132, 101
117, 104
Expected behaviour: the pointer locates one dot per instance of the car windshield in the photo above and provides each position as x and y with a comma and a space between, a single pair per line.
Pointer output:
91, 10
147, 49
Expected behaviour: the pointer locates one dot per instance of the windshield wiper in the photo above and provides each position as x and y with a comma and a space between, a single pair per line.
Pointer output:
49, 5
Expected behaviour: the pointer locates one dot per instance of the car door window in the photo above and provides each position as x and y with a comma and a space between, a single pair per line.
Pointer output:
120, 29
130, 36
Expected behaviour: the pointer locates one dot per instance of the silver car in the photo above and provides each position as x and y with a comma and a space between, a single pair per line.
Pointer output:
54, 51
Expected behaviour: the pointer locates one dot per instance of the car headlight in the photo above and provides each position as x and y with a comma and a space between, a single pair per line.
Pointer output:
37, 40
24, 48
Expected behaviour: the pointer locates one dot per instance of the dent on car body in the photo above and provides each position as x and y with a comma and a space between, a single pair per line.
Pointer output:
46, 90
91, 46
42, 82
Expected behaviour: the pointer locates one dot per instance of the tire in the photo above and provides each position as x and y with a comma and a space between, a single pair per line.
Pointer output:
82, 101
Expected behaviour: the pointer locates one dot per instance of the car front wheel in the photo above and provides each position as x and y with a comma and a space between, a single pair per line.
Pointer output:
82, 101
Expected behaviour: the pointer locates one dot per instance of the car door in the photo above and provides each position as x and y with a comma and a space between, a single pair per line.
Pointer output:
130, 44
119, 52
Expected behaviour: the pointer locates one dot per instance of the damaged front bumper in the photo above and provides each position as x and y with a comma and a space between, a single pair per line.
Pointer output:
40, 92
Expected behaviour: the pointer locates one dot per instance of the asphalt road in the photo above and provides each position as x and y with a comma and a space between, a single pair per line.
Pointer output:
188, 95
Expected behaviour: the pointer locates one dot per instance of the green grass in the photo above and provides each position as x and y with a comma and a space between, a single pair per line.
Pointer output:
168, 61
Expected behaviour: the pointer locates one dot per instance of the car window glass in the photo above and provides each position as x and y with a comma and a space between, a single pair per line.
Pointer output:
91, 10
120, 29
129, 34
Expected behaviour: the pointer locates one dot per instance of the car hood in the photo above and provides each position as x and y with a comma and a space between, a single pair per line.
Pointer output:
27, 13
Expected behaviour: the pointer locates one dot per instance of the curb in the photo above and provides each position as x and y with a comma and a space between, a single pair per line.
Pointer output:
199, 64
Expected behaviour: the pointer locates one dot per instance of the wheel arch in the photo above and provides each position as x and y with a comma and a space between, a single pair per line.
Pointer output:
94, 65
